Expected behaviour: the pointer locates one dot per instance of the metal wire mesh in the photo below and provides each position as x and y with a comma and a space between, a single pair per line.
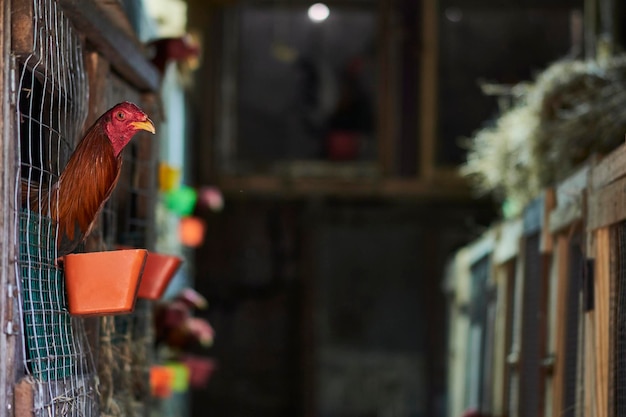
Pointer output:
126, 353
478, 318
508, 337
576, 268
531, 339
51, 96
619, 356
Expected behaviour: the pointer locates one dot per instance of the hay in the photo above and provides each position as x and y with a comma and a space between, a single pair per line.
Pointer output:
125, 356
573, 110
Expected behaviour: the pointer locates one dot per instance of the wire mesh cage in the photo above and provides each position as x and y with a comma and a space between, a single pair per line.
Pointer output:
51, 105
478, 318
509, 318
532, 317
619, 356
571, 369
126, 353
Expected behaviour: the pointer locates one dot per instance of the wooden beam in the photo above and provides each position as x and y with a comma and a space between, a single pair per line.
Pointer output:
565, 216
508, 241
563, 282
21, 27
548, 206
364, 188
97, 70
24, 398
602, 296
505, 280
571, 189
428, 89
124, 52
607, 205
591, 27
387, 86
482, 247
609, 169
10, 334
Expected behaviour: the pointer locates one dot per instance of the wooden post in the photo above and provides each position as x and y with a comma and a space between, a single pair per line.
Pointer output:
548, 206
388, 81
24, 400
9, 318
602, 315
563, 282
21, 27
124, 52
97, 69
590, 27
428, 89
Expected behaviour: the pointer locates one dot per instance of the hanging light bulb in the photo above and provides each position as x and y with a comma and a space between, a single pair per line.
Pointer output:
318, 12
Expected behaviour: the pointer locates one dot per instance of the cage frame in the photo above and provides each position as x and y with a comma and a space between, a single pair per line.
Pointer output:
565, 223
605, 209
97, 22
506, 265
9, 335
458, 283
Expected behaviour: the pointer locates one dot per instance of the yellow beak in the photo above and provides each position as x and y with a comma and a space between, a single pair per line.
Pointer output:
145, 125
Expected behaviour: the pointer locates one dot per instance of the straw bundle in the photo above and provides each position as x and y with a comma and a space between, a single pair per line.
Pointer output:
572, 110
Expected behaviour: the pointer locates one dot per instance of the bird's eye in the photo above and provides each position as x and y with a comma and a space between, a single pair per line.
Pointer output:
120, 115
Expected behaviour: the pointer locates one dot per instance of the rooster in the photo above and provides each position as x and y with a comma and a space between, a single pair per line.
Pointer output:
175, 325
77, 197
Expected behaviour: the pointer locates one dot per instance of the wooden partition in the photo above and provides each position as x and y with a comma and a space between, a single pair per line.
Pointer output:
559, 279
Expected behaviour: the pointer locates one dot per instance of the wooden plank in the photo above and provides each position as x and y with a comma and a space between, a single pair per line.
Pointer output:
591, 27
24, 398
428, 89
243, 186
609, 169
22, 40
326, 169
124, 52
10, 359
562, 273
602, 316
570, 190
515, 352
481, 247
548, 205
508, 241
607, 205
97, 69
565, 216
387, 85
505, 281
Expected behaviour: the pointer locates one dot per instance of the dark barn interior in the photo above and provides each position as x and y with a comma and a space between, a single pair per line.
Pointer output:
323, 275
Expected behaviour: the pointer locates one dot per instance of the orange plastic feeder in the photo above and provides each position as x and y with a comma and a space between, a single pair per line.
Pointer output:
191, 231
157, 274
101, 283
161, 380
